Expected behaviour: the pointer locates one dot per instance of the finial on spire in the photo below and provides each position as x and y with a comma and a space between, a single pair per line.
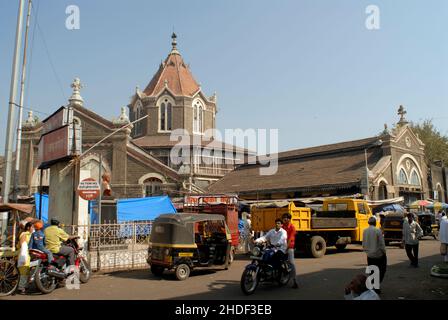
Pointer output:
401, 112
174, 43
76, 98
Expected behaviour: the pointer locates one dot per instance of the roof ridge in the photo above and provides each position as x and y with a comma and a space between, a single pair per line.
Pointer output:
178, 75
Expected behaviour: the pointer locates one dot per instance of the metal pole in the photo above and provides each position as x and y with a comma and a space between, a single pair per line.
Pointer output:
367, 176
40, 193
100, 173
12, 100
22, 94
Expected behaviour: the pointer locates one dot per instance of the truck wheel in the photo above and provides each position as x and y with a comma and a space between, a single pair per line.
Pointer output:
318, 247
341, 247
182, 272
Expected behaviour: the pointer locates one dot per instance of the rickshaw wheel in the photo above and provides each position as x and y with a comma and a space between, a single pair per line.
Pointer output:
9, 277
182, 272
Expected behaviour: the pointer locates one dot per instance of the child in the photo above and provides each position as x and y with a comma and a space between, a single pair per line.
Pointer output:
38, 240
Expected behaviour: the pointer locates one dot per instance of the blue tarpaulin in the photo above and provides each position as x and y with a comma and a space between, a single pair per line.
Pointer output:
139, 209
44, 206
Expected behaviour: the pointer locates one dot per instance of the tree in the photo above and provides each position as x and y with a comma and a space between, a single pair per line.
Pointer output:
436, 144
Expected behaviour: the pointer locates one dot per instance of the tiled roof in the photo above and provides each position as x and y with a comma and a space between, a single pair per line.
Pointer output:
164, 141
176, 75
331, 166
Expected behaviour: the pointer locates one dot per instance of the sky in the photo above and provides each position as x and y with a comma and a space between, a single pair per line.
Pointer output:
310, 69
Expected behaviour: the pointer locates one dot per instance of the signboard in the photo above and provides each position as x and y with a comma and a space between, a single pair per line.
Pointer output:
62, 117
54, 145
205, 199
89, 189
61, 138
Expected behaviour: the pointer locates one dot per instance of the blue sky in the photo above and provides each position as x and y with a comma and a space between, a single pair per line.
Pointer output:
309, 68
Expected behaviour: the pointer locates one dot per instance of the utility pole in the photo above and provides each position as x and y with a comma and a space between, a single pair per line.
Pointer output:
22, 94
12, 100
100, 173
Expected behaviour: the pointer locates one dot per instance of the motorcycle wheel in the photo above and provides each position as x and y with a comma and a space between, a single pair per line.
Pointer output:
45, 283
284, 275
85, 272
249, 281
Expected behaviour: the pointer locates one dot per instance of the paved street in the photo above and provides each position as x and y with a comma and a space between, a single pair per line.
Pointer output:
318, 279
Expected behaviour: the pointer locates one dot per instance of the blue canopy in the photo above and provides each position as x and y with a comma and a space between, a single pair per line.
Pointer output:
388, 207
44, 206
143, 208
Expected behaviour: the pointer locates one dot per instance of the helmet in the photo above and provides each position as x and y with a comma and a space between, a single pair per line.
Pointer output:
54, 222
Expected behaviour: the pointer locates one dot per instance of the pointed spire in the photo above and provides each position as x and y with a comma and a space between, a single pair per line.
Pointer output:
174, 44
31, 121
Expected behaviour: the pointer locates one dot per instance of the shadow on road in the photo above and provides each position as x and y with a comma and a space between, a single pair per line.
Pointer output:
401, 282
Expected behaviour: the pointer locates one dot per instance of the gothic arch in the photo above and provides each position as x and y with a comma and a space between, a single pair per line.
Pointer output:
151, 175
400, 164
95, 157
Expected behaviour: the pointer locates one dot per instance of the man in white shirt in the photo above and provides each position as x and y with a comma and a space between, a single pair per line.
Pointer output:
375, 248
443, 236
357, 289
412, 232
277, 237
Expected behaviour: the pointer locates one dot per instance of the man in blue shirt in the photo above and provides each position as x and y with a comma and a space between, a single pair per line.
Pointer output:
37, 240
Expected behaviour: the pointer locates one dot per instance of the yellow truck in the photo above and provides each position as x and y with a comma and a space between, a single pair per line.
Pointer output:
340, 222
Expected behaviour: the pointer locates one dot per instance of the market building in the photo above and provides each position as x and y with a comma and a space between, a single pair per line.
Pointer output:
138, 157
386, 166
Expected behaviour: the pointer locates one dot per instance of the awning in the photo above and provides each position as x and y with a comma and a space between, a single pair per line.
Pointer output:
26, 208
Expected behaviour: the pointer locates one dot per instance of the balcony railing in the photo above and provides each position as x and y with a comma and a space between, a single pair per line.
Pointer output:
211, 171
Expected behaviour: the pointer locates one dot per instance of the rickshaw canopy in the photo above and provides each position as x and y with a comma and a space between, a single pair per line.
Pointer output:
178, 229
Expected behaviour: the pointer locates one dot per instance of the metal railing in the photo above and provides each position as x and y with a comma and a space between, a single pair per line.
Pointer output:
117, 246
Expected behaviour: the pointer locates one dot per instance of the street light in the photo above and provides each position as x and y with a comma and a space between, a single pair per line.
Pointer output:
377, 143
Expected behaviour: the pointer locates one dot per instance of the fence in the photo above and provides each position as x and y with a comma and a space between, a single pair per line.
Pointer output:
111, 247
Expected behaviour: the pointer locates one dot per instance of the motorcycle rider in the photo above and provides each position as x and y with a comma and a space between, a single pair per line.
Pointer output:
38, 240
55, 237
277, 237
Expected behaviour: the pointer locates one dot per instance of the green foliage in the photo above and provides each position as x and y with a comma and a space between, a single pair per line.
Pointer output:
436, 144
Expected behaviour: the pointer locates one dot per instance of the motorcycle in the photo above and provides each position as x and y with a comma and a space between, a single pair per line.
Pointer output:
262, 269
47, 275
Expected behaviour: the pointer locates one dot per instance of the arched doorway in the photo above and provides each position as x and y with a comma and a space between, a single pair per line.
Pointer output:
382, 191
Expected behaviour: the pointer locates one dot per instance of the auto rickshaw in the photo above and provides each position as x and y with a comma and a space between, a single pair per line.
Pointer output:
428, 223
393, 227
186, 241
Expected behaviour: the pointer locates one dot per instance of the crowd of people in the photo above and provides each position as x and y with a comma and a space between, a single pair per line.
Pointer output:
282, 237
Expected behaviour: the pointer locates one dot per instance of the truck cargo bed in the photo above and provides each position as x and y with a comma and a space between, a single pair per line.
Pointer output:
333, 223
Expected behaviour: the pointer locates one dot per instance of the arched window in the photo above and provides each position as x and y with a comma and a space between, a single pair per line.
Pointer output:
166, 115
382, 191
198, 117
153, 187
402, 177
415, 179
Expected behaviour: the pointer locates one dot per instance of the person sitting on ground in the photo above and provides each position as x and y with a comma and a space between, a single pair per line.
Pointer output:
55, 236
357, 289
38, 240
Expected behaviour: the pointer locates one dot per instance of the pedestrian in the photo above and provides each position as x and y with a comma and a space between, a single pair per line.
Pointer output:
38, 240
291, 239
24, 258
412, 232
357, 289
443, 236
375, 248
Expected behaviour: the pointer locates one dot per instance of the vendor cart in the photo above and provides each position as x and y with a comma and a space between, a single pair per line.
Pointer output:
10, 215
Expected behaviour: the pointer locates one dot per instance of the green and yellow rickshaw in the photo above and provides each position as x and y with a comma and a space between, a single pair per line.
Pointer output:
186, 241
